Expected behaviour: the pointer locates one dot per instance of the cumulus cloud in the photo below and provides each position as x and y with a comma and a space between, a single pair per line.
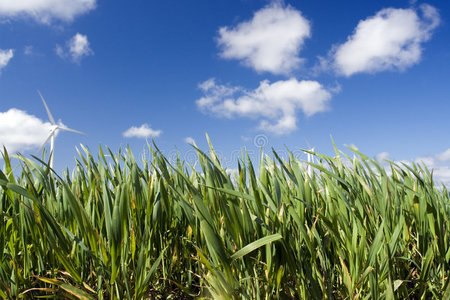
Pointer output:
275, 105
5, 57
79, 47
143, 132
20, 131
390, 40
270, 41
45, 11
76, 48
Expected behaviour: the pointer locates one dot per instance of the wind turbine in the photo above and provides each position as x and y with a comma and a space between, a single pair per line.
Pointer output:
310, 160
309, 169
54, 130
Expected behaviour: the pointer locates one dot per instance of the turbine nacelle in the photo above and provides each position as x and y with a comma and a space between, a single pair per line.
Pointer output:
54, 130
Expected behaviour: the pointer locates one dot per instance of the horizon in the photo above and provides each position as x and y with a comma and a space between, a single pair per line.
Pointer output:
253, 74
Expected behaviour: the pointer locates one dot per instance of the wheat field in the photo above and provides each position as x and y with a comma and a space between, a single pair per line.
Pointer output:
117, 228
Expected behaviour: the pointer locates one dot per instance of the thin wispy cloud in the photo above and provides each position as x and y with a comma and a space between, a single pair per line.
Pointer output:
20, 131
383, 156
444, 156
143, 132
390, 40
275, 105
5, 57
45, 11
189, 140
28, 50
76, 49
270, 41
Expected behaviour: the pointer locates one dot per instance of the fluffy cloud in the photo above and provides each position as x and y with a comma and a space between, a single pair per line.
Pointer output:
45, 11
143, 132
270, 41
20, 131
392, 39
5, 57
77, 48
274, 104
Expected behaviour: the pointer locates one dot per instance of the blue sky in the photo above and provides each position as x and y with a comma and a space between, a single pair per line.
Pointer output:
280, 73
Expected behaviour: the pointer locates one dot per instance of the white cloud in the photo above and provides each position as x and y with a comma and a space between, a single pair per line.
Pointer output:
274, 104
60, 51
442, 174
144, 131
20, 131
428, 161
270, 41
382, 156
441, 170
438, 163
77, 48
28, 50
5, 57
189, 140
444, 156
45, 11
390, 40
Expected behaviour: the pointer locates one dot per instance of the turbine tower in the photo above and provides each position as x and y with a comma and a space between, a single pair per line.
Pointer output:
54, 130
309, 169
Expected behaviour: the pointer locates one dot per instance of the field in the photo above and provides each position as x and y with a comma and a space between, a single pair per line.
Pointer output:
115, 228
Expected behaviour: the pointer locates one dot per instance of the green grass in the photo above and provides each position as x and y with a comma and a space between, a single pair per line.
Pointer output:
121, 229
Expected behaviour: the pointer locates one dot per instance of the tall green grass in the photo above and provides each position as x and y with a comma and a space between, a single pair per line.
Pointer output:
121, 229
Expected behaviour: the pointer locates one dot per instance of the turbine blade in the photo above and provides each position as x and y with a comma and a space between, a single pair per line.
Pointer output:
48, 110
46, 141
71, 130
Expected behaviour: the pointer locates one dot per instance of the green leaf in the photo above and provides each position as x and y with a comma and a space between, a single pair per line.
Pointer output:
255, 245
